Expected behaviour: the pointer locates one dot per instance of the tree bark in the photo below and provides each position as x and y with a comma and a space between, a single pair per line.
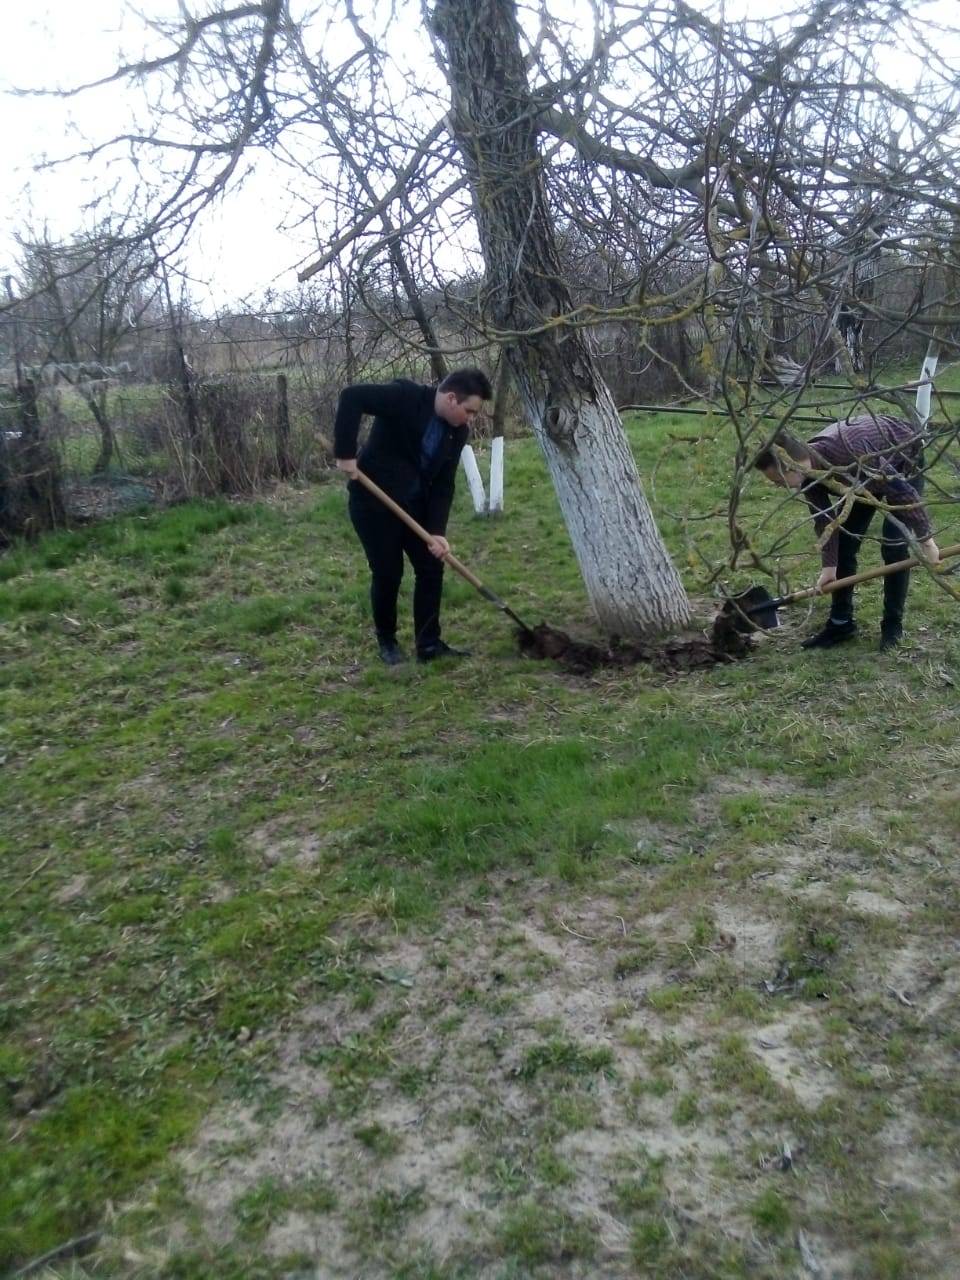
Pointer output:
501, 397
108, 440
632, 584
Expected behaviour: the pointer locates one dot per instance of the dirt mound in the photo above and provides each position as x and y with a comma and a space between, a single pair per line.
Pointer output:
672, 655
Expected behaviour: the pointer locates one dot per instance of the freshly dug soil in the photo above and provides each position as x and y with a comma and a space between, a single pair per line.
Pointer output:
673, 655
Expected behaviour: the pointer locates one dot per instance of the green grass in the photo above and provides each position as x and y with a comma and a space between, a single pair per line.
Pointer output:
536, 1235
270, 1200
559, 1056
770, 1212
218, 810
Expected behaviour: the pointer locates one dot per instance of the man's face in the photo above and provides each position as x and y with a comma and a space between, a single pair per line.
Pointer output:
459, 413
785, 479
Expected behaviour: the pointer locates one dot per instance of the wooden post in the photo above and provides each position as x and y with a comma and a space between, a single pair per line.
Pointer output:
285, 465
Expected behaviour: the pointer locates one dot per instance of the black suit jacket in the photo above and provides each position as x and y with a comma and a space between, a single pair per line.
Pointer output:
401, 411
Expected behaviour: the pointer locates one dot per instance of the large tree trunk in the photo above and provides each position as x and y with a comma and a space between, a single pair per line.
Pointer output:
631, 582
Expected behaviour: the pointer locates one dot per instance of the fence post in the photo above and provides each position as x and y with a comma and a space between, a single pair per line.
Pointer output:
284, 460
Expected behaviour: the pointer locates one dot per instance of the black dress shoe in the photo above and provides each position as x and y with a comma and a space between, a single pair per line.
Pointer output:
833, 633
391, 653
441, 650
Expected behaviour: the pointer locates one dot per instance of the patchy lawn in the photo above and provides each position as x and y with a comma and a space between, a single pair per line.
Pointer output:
478, 970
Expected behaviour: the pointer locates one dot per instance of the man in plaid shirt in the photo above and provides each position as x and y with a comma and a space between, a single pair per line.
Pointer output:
881, 458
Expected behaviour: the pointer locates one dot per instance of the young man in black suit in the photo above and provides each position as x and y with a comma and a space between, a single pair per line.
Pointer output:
412, 453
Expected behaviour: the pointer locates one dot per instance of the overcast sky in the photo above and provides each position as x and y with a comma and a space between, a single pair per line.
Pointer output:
240, 251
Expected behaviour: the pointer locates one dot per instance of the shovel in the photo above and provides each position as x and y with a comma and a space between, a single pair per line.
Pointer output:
449, 558
759, 608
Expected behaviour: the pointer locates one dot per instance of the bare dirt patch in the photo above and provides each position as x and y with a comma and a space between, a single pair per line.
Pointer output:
742, 782
572, 1065
788, 1049
652, 839
875, 904
274, 844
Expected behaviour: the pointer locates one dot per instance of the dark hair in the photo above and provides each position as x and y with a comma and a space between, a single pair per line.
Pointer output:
795, 450
467, 382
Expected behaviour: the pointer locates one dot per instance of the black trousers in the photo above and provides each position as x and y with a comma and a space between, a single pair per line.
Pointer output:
893, 547
386, 540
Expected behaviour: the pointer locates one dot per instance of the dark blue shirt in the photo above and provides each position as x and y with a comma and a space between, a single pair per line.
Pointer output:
430, 444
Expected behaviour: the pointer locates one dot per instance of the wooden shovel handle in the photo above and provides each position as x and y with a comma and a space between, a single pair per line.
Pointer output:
418, 529
854, 578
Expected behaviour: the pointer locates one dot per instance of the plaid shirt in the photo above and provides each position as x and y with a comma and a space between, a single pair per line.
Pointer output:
878, 454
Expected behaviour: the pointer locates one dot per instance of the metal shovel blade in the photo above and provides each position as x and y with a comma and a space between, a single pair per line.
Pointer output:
752, 610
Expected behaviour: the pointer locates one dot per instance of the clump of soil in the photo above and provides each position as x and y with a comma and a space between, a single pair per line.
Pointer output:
672, 655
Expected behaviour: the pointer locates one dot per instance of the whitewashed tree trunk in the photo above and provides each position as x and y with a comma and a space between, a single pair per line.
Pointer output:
496, 475
474, 480
483, 505
631, 582
937, 336
927, 374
